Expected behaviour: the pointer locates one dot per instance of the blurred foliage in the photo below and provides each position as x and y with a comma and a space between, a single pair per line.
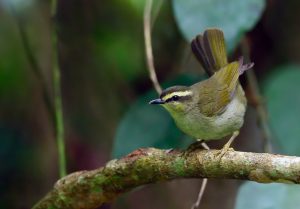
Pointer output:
281, 90
267, 196
146, 125
12, 142
154, 126
234, 17
13, 81
283, 100
106, 90
114, 50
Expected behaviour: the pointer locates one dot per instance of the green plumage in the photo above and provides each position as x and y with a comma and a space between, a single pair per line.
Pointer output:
216, 92
210, 50
213, 108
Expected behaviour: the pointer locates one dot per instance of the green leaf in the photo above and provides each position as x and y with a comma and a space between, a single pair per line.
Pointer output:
147, 125
268, 196
19, 5
281, 91
234, 17
113, 49
14, 82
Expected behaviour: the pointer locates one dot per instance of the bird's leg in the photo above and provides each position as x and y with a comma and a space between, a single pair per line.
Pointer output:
196, 145
227, 145
204, 145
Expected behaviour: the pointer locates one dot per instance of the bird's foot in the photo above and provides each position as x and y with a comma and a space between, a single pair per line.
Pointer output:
193, 147
220, 153
226, 147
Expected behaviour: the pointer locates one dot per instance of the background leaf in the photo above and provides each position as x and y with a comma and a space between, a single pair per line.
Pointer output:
281, 91
268, 196
234, 17
147, 125
283, 101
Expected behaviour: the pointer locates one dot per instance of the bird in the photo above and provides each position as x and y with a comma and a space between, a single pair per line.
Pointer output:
213, 108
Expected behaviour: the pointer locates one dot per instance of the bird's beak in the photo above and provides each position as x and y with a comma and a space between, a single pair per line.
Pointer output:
157, 101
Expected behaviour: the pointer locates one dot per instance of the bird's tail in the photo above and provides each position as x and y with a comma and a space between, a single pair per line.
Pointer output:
210, 50
229, 75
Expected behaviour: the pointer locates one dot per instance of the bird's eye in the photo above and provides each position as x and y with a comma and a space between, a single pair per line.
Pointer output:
175, 97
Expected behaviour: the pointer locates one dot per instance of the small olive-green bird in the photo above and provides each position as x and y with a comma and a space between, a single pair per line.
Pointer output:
213, 108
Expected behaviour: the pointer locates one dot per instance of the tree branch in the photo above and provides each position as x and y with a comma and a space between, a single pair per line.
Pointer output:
90, 189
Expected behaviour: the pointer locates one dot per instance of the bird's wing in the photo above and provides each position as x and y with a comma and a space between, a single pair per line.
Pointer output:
210, 50
217, 91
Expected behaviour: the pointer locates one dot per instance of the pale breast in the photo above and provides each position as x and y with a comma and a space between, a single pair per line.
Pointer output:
199, 126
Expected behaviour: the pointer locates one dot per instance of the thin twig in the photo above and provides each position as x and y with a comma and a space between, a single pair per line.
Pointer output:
33, 63
200, 195
260, 107
55, 111
203, 184
57, 96
148, 46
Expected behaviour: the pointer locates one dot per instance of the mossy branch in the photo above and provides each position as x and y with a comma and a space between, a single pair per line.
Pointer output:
90, 189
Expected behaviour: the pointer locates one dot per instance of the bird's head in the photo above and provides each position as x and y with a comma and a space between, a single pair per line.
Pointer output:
176, 99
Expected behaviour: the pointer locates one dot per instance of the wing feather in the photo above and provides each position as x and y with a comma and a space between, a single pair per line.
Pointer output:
216, 92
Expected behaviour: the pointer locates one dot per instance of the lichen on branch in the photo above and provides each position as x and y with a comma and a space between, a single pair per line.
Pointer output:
90, 189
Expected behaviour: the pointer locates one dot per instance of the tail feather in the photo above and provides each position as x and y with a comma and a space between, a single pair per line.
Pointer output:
200, 53
229, 75
210, 50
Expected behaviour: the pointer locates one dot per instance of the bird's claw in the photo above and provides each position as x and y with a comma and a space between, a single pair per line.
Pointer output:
220, 153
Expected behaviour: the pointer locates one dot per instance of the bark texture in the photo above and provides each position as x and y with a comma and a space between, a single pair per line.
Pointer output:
90, 189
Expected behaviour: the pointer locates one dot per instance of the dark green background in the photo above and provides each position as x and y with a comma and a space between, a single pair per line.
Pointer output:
106, 89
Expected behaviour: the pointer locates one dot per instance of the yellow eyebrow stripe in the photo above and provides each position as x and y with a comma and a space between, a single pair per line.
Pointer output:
178, 93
